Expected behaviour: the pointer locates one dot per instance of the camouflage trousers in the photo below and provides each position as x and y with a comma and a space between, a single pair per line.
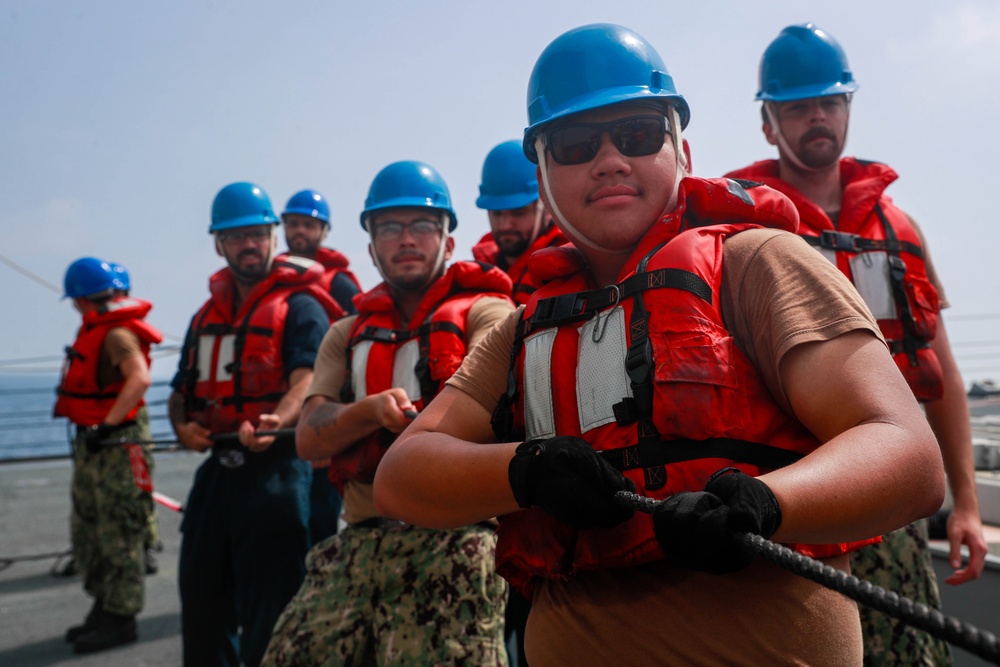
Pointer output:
901, 563
110, 520
392, 594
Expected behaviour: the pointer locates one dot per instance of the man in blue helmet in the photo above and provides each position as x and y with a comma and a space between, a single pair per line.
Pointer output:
671, 354
245, 364
806, 87
519, 224
101, 393
382, 591
306, 219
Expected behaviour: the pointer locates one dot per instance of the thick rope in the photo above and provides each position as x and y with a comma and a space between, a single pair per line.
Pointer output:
964, 635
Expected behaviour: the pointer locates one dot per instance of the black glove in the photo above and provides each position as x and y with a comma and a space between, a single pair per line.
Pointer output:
701, 530
96, 435
565, 477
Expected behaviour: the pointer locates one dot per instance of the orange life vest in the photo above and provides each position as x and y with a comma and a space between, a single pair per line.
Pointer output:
382, 353
875, 245
234, 370
81, 398
488, 251
647, 373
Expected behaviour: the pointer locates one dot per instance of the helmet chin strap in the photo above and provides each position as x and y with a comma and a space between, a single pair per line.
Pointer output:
674, 119
537, 227
273, 249
772, 118
681, 169
554, 207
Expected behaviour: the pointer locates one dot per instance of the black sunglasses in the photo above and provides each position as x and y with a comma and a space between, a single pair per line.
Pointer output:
578, 143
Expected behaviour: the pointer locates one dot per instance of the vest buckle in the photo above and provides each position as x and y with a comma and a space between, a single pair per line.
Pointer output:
831, 238
560, 309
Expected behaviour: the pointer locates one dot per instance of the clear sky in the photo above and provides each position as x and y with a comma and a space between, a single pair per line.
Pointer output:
122, 119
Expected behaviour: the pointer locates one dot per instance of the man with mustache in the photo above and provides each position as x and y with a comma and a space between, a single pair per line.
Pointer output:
306, 220
245, 364
382, 591
806, 87
519, 224
686, 347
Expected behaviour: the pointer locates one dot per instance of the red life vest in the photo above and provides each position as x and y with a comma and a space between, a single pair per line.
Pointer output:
234, 370
875, 245
488, 251
334, 262
81, 398
382, 353
647, 373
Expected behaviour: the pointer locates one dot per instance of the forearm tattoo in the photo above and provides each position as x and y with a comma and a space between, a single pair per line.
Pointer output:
323, 417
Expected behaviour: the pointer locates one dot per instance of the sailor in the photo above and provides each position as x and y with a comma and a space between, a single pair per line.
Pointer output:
306, 219
519, 224
382, 591
687, 348
806, 87
104, 381
245, 365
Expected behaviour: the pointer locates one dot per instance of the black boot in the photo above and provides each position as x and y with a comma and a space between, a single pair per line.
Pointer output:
89, 623
112, 630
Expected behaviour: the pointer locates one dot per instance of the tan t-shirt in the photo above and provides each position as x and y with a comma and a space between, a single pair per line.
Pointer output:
775, 295
330, 373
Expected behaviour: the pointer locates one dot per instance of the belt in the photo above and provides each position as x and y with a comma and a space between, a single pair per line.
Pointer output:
386, 523
381, 522
117, 427
234, 455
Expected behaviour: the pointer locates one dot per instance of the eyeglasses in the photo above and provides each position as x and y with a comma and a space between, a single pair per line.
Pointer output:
390, 230
237, 237
634, 136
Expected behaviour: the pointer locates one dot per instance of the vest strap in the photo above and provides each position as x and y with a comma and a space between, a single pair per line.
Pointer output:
836, 240
580, 306
652, 454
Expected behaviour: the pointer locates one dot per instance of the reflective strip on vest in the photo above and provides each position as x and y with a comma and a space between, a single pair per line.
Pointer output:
601, 381
403, 364
870, 272
403, 375
539, 416
600, 377
359, 361
221, 358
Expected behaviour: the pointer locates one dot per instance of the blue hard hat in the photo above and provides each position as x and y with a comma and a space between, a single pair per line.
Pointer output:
241, 205
88, 276
309, 203
594, 66
508, 179
120, 276
408, 183
802, 62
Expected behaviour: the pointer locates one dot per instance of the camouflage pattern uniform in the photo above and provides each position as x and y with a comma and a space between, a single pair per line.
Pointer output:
386, 593
901, 563
110, 521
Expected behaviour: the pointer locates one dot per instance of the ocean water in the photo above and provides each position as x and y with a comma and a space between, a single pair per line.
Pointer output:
28, 430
